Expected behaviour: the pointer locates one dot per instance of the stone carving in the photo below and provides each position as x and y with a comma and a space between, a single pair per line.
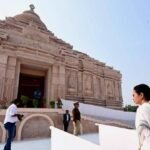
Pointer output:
2, 82
88, 83
1, 133
109, 88
9, 84
80, 64
3, 35
97, 89
71, 81
80, 83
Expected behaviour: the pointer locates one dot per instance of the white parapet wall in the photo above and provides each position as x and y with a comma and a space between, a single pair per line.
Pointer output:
111, 138
61, 140
99, 111
115, 138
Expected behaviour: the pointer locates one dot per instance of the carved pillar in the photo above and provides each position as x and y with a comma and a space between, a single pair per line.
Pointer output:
48, 87
58, 82
71, 83
116, 92
88, 85
120, 91
97, 90
55, 82
61, 86
103, 88
3, 67
17, 76
80, 84
10, 78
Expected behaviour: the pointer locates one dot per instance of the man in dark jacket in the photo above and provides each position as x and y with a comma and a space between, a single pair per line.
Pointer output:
76, 119
66, 120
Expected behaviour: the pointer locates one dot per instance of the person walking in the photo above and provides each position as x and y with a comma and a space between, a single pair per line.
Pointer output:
10, 120
66, 120
141, 96
76, 119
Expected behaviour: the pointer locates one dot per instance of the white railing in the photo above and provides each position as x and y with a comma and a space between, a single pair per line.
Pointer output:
111, 138
99, 111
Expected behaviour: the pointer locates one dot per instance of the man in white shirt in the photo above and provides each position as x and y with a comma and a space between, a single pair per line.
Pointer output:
10, 120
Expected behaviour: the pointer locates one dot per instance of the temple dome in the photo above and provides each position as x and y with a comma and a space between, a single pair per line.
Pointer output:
29, 17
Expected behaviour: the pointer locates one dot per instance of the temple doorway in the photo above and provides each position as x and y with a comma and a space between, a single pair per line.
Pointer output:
28, 85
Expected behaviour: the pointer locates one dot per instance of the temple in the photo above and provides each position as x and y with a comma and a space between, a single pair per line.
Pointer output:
32, 57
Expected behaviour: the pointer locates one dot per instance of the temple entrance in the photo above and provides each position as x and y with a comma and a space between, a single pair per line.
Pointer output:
29, 85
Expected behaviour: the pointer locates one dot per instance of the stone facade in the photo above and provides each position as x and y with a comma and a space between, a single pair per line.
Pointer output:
28, 47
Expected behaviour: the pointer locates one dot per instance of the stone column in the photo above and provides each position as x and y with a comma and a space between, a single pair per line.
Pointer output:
17, 76
80, 84
103, 88
48, 87
120, 91
10, 78
61, 85
96, 82
3, 66
55, 82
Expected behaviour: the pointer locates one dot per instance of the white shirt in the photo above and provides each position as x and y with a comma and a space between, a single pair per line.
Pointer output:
143, 125
67, 117
11, 110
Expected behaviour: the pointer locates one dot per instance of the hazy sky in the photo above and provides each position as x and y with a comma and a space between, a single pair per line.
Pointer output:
116, 32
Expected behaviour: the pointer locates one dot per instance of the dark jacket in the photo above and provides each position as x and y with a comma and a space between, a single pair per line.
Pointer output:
65, 118
76, 114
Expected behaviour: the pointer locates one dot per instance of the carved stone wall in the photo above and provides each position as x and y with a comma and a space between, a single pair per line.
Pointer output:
3, 66
97, 87
10, 78
88, 85
71, 82
70, 74
1, 133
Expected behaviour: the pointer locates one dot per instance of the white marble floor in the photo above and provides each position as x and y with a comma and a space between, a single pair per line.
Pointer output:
43, 144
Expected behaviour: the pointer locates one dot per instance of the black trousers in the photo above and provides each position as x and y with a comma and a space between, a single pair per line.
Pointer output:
11, 129
66, 124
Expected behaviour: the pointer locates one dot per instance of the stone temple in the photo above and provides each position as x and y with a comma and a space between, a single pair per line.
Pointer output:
32, 57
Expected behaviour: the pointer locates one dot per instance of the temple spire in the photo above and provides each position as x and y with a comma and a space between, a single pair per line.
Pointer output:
32, 7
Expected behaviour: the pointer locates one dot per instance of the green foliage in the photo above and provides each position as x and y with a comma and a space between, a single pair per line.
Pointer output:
59, 103
52, 104
24, 99
35, 103
130, 108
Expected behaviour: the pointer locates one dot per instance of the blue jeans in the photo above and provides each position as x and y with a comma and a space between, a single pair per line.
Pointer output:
11, 129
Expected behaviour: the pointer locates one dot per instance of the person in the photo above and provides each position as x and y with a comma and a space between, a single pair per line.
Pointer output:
76, 119
66, 120
141, 96
11, 117
37, 95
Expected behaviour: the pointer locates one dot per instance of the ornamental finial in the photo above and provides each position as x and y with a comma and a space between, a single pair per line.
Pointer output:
32, 7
